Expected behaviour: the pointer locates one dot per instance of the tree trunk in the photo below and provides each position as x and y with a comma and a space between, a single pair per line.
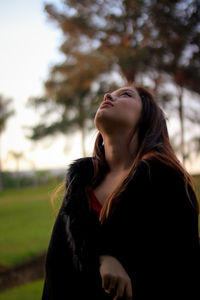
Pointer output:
181, 117
157, 82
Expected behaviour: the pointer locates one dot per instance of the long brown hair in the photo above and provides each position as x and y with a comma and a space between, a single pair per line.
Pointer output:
154, 143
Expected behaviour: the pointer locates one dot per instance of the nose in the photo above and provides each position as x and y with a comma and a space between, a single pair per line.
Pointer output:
108, 96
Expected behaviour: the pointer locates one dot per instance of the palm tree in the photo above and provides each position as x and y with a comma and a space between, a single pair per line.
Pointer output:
17, 156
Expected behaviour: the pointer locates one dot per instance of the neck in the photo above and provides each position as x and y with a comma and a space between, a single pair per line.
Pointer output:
118, 155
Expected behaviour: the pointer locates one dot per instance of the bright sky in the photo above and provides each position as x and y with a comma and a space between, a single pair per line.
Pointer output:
29, 46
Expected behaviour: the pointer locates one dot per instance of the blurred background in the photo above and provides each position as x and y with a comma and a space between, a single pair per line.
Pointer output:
57, 60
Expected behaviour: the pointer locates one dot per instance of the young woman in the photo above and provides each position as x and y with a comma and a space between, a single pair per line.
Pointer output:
128, 224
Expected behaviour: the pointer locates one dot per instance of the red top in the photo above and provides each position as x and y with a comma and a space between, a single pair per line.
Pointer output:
94, 202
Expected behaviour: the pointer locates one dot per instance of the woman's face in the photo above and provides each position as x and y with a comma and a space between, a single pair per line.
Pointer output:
123, 114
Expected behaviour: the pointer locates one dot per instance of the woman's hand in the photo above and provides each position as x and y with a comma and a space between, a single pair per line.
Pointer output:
115, 279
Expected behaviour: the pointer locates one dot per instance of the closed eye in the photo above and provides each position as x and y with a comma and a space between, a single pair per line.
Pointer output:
126, 94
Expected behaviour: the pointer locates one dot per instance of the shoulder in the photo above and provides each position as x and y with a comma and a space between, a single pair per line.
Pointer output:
168, 184
157, 171
79, 168
161, 179
79, 164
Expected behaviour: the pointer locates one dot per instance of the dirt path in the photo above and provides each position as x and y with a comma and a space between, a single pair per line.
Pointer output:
22, 273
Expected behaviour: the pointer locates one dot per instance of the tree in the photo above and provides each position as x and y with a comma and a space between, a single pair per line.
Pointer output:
116, 29
70, 89
5, 113
134, 38
71, 84
177, 24
17, 156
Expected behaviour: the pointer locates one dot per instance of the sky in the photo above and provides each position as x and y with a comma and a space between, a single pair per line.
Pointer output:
29, 47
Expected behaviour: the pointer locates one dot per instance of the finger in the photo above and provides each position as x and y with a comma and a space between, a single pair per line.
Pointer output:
119, 291
113, 284
112, 288
105, 282
128, 291
110, 291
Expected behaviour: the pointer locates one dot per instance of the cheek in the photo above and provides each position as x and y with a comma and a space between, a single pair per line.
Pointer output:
133, 113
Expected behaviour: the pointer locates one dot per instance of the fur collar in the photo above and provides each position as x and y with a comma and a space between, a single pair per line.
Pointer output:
80, 223
75, 211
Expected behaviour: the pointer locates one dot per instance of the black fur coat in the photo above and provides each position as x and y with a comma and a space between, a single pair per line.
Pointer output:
153, 232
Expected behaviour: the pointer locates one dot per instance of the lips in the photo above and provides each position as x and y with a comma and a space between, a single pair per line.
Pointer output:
107, 103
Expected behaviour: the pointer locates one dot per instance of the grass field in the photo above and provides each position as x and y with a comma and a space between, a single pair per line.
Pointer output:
26, 220
29, 291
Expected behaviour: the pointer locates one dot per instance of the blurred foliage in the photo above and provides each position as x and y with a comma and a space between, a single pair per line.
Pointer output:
136, 36
5, 113
36, 178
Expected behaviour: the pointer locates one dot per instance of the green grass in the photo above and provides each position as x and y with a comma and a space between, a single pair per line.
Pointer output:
29, 291
197, 184
26, 220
